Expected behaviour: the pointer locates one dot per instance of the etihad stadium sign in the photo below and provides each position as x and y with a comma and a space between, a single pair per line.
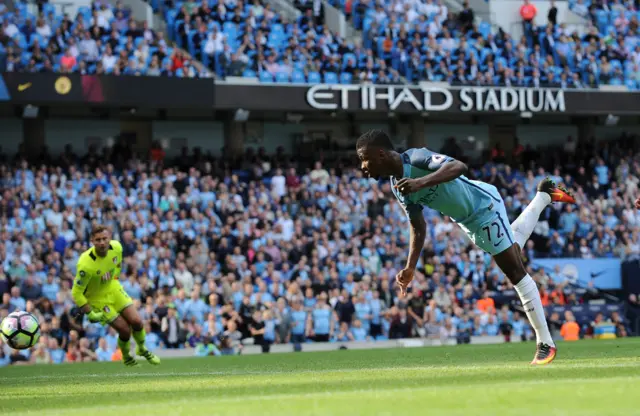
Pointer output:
209, 96
431, 98
466, 99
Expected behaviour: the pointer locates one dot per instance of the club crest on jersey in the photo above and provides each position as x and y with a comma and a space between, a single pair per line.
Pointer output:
98, 272
115, 260
106, 309
82, 273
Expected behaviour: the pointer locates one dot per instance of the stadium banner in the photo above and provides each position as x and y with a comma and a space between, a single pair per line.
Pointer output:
588, 310
433, 98
604, 274
630, 273
109, 90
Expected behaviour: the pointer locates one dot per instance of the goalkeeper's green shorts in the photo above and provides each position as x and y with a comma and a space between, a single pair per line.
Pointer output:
111, 304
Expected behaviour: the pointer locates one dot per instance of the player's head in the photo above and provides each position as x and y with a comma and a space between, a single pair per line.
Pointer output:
376, 154
100, 238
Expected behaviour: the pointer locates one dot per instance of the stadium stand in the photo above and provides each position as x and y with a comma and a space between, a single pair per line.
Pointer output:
400, 42
215, 248
252, 40
103, 39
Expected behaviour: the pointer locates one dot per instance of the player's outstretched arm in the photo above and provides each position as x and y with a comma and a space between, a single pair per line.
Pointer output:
417, 234
77, 292
445, 173
78, 289
416, 239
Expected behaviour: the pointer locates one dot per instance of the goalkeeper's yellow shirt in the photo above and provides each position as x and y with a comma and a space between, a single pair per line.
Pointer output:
97, 277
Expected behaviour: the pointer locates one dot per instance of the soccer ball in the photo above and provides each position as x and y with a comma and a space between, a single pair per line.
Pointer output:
20, 330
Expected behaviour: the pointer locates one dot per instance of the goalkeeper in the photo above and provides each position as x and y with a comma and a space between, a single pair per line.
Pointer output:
98, 294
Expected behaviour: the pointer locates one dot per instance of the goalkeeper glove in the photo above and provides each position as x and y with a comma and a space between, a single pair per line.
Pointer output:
95, 316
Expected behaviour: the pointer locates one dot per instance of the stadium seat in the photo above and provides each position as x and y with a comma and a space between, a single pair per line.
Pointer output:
249, 73
330, 78
282, 77
314, 78
298, 77
345, 78
266, 77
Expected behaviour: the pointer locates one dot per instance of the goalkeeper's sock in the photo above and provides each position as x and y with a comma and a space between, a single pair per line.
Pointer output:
125, 348
139, 336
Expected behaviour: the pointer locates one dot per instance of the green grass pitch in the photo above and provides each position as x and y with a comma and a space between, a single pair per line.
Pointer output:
588, 378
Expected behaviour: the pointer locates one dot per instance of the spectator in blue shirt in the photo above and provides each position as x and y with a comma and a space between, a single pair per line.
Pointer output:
321, 320
180, 301
298, 318
206, 348
309, 299
152, 341
195, 308
602, 171
556, 245
343, 334
112, 339
492, 327
610, 219
132, 287
584, 227
213, 326
51, 288
568, 220
17, 301
464, 330
518, 326
358, 331
363, 311
269, 327
262, 296
103, 352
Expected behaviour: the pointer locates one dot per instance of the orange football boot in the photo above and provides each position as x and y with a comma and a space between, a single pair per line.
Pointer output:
557, 193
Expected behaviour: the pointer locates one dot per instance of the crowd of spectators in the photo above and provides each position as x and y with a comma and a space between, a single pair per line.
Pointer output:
411, 41
425, 41
103, 39
286, 250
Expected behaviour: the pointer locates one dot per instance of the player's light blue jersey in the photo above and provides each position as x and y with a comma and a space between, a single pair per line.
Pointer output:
459, 199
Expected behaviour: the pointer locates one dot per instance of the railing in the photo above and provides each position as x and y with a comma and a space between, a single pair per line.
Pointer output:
334, 19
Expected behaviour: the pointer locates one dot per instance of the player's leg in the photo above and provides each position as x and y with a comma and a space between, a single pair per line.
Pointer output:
131, 316
493, 234
111, 317
510, 262
124, 340
547, 192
